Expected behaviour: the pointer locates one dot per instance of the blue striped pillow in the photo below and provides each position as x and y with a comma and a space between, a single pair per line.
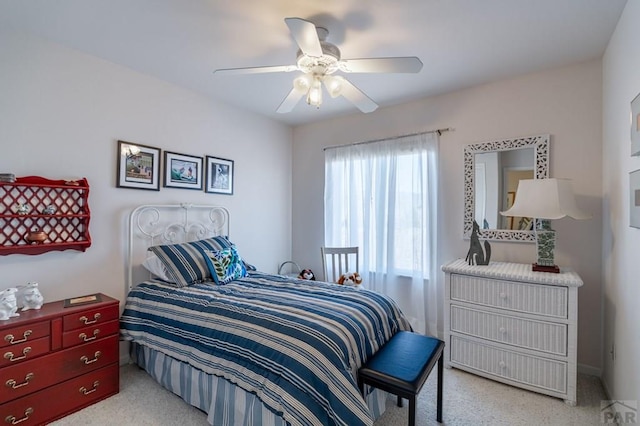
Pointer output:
187, 263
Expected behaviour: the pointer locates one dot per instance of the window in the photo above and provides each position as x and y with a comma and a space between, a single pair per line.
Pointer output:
381, 197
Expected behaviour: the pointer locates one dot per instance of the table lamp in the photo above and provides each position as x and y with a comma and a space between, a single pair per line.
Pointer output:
545, 199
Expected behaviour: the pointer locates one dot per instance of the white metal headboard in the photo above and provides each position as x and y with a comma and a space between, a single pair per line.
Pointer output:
169, 224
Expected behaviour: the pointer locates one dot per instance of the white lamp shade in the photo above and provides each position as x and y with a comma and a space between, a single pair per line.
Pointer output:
545, 199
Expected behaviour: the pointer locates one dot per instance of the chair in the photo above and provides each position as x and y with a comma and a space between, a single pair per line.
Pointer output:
339, 260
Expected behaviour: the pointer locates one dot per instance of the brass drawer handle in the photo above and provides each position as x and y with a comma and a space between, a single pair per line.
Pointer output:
83, 336
14, 385
14, 421
84, 390
86, 359
86, 320
9, 337
25, 351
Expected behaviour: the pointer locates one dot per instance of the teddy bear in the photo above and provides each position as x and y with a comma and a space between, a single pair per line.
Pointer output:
307, 274
350, 278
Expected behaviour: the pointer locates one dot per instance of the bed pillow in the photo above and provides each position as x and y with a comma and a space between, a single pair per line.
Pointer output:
186, 263
223, 242
154, 265
226, 265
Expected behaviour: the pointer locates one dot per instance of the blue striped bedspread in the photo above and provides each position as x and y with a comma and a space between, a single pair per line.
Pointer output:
296, 344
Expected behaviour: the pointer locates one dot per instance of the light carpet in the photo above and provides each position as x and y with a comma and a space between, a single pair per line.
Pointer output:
468, 400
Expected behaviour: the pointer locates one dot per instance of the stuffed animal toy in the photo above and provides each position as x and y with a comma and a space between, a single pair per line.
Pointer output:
350, 278
307, 274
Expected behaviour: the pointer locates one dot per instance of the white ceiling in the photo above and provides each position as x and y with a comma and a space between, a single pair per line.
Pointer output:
461, 42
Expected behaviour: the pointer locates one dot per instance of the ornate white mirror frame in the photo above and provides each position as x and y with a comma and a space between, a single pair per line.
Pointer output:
539, 143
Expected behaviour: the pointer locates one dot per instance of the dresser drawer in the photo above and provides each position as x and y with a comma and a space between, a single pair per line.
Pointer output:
30, 376
24, 351
88, 334
537, 335
59, 400
537, 299
539, 372
89, 317
25, 333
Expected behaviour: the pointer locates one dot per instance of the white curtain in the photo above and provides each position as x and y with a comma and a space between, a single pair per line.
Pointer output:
381, 197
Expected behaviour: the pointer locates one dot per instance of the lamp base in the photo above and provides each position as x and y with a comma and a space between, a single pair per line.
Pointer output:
543, 268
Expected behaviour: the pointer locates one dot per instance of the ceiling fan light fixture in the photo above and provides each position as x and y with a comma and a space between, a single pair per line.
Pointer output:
334, 84
303, 83
314, 95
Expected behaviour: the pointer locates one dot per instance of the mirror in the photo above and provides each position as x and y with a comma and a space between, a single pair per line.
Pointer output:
492, 171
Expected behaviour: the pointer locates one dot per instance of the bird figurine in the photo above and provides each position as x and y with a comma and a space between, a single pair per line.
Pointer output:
8, 304
30, 296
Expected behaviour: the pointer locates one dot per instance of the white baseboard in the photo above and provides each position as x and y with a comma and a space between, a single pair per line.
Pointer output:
589, 370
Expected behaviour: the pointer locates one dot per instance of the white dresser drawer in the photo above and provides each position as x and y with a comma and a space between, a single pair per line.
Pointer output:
533, 371
537, 299
537, 335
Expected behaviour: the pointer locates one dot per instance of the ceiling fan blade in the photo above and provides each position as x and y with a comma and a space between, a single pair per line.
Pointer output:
305, 35
409, 64
257, 70
290, 101
357, 97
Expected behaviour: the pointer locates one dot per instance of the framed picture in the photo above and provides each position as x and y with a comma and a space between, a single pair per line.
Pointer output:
138, 166
182, 171
635, 126
219, 176
634, 202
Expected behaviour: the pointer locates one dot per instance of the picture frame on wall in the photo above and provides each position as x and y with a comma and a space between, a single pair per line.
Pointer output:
182, 171
219, 175
138, 166
634, 201
635, 126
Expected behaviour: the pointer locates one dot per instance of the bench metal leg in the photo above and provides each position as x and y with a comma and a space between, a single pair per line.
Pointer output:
440, 371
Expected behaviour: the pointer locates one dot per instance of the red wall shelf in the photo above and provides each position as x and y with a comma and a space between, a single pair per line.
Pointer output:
67, 228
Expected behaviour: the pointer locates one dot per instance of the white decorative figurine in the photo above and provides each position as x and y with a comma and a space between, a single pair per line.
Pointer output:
30, 296
8, 304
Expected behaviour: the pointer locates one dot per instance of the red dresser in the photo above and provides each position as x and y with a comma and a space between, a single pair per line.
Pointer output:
57, 360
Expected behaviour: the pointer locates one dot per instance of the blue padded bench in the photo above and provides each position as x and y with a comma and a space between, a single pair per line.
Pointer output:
402, 366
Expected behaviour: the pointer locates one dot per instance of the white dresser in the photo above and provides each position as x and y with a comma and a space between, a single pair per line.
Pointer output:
507, 323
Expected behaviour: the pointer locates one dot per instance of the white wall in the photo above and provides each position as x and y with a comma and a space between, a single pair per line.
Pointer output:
621, 243
566, 103
61, 113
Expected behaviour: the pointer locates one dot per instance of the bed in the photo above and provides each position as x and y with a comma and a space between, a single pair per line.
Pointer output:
246, 347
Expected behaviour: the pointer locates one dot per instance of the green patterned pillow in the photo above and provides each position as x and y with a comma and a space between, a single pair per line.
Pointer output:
226, 265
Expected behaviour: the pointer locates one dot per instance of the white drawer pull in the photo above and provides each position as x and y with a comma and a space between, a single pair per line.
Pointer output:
503, 295
14, 385
502, 364
9, 337
86, 320
502, 330
83, 336
14, 421
9, 355
84, 390
86, 359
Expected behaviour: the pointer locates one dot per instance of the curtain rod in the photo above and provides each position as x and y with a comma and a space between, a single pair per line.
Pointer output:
438, 131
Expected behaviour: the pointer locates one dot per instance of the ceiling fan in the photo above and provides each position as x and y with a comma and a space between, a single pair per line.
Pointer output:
319, 60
